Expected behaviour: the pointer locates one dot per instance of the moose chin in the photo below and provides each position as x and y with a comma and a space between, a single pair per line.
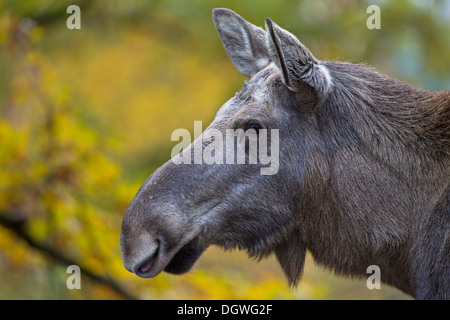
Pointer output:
363, 175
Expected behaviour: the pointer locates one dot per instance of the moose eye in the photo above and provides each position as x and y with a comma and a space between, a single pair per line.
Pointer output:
253, 125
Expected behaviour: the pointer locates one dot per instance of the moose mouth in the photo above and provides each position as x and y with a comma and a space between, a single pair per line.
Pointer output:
185, 258
181, 261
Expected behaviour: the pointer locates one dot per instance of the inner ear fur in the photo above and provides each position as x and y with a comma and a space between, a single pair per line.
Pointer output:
245, 43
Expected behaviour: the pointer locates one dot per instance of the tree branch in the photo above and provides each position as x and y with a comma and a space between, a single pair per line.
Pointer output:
17, 228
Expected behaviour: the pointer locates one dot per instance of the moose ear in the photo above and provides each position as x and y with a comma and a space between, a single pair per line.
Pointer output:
245, 43
296, 63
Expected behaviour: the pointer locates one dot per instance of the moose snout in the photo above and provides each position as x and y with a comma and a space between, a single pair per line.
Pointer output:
157, 234
139, 252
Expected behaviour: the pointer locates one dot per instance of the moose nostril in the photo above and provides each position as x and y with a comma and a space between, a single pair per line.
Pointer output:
147, 263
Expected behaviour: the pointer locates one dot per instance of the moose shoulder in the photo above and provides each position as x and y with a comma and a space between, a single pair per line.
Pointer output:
363, 175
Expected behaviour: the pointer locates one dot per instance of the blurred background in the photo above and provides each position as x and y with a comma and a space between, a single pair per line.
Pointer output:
86, 116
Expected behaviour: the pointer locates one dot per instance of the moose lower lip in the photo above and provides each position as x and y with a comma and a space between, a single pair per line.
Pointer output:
184, 258
177, 262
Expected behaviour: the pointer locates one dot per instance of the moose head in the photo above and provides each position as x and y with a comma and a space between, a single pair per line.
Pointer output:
362, 174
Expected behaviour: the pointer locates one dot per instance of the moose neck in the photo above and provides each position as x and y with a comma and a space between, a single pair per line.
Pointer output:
379, 161
391, 118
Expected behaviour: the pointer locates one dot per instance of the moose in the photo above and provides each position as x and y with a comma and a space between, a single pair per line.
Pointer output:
363, 177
